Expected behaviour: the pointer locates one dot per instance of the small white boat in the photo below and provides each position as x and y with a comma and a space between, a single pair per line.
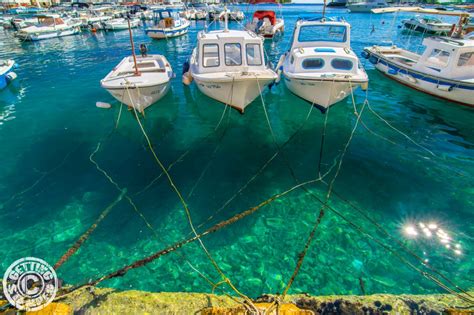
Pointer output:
139, 86
266, 23
366, 6
169, 25
320, 66
49, 26
120, 24
236, 15
427, 25
194, 14
445, 69
229, 66
6, 72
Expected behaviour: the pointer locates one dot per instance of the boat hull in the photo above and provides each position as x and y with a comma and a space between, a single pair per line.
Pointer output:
237, 93
47, 35
163, 33
4, 73
456, 91
142, 97
427, 30
321, 93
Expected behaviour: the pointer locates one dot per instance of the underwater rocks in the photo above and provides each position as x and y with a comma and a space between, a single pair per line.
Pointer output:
109, 301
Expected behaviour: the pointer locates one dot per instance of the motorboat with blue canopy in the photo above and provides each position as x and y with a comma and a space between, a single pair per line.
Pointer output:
168, 24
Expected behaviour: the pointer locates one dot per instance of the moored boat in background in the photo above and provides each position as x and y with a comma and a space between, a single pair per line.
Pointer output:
266, 22
366, 6
168, 24
49, 26
119, 24
427, 25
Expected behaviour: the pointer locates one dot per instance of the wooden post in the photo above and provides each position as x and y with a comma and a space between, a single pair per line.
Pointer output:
137, 73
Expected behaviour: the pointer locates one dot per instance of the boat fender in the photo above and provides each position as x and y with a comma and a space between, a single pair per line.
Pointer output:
446, 88
364, 86
279, 68
187, 78
373, 60
185, 67
103, 105
11, 76
392, 72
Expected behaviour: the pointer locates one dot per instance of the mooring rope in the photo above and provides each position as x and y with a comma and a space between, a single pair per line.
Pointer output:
302, 255
185, 206
401, 244
184, 154
237, 217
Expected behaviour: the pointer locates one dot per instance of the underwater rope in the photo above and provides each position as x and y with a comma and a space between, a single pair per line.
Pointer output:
44, 174
237, 217
183, 155
302, 255
183, 202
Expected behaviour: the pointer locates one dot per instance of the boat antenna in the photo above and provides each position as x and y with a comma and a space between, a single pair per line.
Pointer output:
226, 22
137, 73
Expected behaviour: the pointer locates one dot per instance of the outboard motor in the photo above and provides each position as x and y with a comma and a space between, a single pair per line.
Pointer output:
143, 50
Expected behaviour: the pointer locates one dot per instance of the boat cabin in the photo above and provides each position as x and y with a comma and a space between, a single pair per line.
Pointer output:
447, 57
264, 16
166, 18
322, 33
322, 47
233, 50
49, 20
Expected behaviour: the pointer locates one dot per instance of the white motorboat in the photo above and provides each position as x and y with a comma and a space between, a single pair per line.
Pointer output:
49, 26
6, 72
320, 66
236, 15
229, 66
120, 24
266, 22
427, 25
366, 6
139, 86
194, 14
445, 69
168, 24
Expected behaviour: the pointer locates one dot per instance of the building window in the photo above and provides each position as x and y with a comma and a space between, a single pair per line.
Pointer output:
233, 54
210, 55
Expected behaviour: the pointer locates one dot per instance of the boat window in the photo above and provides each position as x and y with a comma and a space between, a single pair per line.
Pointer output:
439, 57
313, 63
322, 33
342, 64
233, 54
466, 59
210, 55
254, 55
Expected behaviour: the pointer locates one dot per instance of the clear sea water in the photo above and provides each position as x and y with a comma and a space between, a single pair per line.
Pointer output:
50, 192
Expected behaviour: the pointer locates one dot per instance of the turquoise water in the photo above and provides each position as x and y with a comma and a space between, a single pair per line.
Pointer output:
50, 191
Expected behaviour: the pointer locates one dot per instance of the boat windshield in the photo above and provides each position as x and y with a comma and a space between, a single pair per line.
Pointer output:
322, 33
